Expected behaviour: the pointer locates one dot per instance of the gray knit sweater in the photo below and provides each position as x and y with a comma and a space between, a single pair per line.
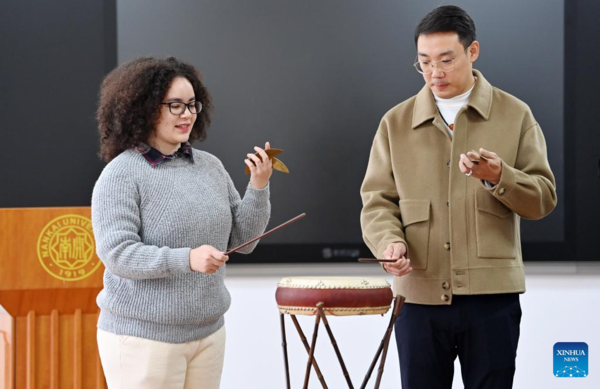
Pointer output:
146, 220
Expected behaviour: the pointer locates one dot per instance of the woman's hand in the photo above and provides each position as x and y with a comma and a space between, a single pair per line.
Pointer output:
207, 259
261, 167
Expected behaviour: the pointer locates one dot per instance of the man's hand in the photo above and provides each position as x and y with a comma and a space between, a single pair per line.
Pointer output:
485, 165
207, 259
402, 266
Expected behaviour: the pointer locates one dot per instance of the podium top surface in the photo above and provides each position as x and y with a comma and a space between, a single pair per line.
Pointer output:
48, 248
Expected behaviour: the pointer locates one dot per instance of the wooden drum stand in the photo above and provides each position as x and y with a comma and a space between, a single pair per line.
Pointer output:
339, 297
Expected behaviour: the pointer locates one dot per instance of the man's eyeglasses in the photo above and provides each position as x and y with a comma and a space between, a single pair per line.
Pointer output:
427, 67
178, 108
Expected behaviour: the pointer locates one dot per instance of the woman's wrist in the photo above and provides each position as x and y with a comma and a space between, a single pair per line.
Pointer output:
258, 185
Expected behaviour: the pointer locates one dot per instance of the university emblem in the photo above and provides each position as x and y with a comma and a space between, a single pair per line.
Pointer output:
66, 248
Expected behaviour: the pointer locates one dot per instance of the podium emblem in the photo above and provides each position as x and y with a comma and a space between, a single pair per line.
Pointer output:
66, 248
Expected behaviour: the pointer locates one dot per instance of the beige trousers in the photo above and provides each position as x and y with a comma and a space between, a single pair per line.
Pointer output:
137, 363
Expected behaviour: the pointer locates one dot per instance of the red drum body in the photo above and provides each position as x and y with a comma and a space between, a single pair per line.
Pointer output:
341, 296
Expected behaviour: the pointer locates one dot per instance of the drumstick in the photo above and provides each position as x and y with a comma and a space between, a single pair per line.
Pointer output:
233, 250
376, 260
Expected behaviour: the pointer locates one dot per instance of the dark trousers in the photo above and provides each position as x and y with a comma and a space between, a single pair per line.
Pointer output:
482, 330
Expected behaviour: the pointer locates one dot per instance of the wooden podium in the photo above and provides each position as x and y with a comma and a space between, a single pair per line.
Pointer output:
49, 279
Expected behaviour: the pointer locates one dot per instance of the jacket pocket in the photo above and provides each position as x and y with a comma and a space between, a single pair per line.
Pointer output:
415, 219
495, 227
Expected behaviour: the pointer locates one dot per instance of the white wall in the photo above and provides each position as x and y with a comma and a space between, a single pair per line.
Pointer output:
561, 305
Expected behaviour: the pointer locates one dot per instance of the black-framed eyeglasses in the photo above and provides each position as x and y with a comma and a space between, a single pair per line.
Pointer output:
178, 108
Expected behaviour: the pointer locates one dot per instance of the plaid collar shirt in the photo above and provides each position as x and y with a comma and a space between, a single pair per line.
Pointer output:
155, 157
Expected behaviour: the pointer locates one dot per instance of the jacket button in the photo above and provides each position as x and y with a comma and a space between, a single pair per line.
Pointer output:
446, 285
448, 163
445, 297
447, 203
447, 246
501, 191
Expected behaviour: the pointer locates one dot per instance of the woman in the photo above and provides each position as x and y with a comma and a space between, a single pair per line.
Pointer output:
163, 214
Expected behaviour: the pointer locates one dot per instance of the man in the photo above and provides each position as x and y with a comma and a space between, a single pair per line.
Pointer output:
451, 172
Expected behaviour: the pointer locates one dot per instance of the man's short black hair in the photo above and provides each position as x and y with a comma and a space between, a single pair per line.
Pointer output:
448, 18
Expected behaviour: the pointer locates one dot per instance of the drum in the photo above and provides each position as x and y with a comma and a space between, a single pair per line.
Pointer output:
341, 296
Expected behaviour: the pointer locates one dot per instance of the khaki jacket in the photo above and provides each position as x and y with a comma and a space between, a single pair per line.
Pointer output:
462, 237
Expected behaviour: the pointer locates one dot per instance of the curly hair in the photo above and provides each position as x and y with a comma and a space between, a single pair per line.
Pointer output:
130, 97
